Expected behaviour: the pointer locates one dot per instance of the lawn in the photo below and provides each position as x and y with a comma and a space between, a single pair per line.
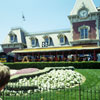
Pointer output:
89, 90
92, 77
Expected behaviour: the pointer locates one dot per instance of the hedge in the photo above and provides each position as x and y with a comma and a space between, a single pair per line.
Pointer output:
41, 65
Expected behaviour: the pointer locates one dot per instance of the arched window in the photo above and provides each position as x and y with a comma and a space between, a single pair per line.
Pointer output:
13, 38
33, 41
84, 31
47, 40
61, 38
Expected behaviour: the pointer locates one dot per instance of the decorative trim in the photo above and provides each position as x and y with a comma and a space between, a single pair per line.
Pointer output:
11, 33
32, 37
83, 26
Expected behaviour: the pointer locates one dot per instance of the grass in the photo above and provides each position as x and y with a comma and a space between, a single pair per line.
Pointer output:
92, 77
88, 89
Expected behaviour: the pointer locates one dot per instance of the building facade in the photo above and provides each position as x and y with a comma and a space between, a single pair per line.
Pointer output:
81, 42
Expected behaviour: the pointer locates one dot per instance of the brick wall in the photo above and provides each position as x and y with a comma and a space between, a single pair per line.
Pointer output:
6, 50
92, 32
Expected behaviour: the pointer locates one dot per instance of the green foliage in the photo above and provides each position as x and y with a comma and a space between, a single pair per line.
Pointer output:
41, 65
92, 77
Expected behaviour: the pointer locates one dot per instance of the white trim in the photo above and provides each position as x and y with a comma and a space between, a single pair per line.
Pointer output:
83, 26
79, 4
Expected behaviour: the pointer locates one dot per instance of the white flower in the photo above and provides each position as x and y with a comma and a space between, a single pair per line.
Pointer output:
51, 80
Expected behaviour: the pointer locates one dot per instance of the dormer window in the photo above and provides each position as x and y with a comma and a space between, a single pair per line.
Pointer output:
84, 32
61, 38
13, 37
33, 41
47, 40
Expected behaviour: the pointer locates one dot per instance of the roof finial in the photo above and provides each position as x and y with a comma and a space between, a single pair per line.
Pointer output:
83, 4
23, 17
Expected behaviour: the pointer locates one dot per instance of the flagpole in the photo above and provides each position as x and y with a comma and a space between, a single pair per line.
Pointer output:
23, 20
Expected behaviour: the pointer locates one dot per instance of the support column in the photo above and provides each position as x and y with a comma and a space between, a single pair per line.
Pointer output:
94, 55
38, 56
83, 52
44, 56
32, 57
51, 59
56, 57
50, 54
15, 57
22, 57
76, 56
63, 55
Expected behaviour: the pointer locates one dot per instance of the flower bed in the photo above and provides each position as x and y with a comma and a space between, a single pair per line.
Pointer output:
23, 71
55, 79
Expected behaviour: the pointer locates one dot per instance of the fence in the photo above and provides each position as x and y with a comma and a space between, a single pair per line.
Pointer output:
29, 93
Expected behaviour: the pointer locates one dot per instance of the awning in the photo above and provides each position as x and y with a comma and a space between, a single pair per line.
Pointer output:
52, 49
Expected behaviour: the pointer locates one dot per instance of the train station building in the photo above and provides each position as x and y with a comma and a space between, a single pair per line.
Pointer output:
80, 43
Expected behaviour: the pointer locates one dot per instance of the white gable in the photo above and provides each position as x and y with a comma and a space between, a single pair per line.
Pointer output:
80, 3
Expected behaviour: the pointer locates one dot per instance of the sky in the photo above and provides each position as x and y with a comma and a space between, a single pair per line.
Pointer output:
40, 15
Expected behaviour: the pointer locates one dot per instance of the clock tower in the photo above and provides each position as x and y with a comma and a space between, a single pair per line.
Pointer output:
84, 19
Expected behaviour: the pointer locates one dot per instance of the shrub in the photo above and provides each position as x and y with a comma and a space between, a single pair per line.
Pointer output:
41, 65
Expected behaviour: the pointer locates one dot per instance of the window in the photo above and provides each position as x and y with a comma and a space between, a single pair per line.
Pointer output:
44, 44
33, 42
13, 38
61, 40
84, 33
46, 40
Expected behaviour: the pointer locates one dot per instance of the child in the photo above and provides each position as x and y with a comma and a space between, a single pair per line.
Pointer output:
4, 75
